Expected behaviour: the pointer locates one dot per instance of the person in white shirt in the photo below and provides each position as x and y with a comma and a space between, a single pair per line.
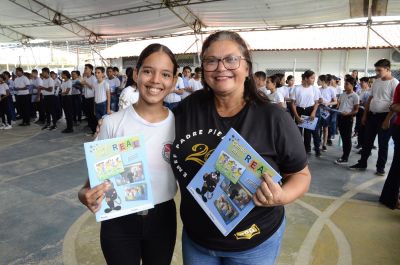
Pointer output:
49, 100
128, 97
4, 95
102, 96
66, 94
290, 87
305, 102
57, 94
89, 81
260, 78
363, 94
348, 104
76, 97
195, 83
37, 97
328, 99
11, 98
21, 85
114, 83
377, 116
172, 99
156, 77
186, 76
274, 97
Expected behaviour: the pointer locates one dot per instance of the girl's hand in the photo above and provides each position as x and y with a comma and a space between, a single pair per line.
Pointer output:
269, 193
92, 198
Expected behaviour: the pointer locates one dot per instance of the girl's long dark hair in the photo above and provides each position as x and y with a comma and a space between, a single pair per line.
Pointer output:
251, 93
156, 47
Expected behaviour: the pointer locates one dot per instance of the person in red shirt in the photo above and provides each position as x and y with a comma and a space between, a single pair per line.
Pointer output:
390, 191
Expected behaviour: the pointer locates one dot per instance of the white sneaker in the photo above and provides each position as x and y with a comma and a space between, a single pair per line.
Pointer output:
2, 126
8, 126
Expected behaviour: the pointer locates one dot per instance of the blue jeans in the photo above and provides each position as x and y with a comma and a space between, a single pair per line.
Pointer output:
264, 254
101, 109
114, 103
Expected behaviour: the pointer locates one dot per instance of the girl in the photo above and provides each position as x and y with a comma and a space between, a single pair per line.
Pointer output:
305, 102
348, 107
66, 94
275, 96
328, 99
4, 95
148, 236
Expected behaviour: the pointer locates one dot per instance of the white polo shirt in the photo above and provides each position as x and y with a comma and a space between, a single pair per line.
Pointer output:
382, 93
158, 139
305, 96
87, 92
36, 83
100, 91
348, 101
20, 82
49, 82
327, 94
284, 91
75, 91
128, 97
113, 84
65, 85
3, 89
173, 97
276, 97
195, 84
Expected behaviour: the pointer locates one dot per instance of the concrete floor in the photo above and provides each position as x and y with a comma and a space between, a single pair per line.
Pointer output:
338, 222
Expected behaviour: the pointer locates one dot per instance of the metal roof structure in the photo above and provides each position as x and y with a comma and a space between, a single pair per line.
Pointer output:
101, 23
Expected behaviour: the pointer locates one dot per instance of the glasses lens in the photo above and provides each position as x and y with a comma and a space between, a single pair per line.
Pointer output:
231, 62
210, 64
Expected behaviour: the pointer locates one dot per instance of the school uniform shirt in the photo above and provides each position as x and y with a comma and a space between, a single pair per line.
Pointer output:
173, 97
339, 90
36, 83
195, 84
75, 90
363, 94
382, 93
305, 96
284, 91
10, 84
49, 82
100, 91
158, 138
128, 97
57, 86
65, 85
3, 89
327, 94
396, 100
113, 84
348, 101
20, 82
264, 90
276, 97
268, 128
87, 92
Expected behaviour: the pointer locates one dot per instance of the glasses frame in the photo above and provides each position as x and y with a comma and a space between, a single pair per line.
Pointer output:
223, 63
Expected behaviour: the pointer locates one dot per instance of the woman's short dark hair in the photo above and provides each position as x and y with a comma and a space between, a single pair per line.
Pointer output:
307, 74
290, 77
156, 47
275, 80
351, 80
66, 73
322, 78
251, 93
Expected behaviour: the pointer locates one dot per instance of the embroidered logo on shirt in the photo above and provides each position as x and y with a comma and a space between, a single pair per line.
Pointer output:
248, 233
166, 152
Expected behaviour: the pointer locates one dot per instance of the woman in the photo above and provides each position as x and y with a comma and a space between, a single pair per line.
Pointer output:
275, 96
305, 102
230, 99
348, 104
67, 103
147, 236
328, 99
390, 191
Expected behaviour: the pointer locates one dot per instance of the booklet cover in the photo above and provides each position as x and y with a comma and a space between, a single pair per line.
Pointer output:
307, 123
121, 162
225, 184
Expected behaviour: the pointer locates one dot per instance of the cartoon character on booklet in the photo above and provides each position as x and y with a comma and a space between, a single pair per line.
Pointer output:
111, 197
210, 183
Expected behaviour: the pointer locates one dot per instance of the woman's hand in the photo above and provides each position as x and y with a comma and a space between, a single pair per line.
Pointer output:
299, 119
92, 198
269, 193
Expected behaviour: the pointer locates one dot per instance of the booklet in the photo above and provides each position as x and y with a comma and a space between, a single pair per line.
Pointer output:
307, 123
121, 162
225, 184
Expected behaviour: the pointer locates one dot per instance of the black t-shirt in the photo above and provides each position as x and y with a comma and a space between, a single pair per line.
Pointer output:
268, 128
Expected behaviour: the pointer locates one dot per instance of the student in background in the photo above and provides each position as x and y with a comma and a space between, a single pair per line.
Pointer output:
274, 97
11, 98
57, 93
305, 102
66, 93
377, 117
114, 84
328, 99
348, 107
260, 78
49, 100
186, 76
89, 81
195, 82
21, 85
4, 113
363, 94
76, 97
354, 74
174, 97
102, 96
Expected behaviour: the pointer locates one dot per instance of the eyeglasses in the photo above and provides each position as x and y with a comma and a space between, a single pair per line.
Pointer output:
210, 64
